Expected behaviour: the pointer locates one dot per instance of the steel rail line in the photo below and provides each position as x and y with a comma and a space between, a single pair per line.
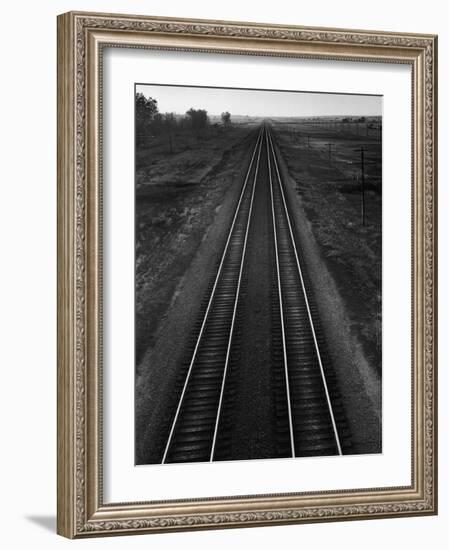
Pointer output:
256, 151
237, 295
306, 299
281, 312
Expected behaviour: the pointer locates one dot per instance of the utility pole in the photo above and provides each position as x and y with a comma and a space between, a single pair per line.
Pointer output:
330, 152
362, 161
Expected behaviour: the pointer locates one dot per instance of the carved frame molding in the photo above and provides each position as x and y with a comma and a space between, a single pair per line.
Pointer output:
81, 38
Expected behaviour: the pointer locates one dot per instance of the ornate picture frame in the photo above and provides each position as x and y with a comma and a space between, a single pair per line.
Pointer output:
82, 38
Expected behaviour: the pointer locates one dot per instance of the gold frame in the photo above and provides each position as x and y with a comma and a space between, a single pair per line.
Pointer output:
81, 37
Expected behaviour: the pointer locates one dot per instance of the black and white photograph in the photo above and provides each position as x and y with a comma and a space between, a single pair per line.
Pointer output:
258, 274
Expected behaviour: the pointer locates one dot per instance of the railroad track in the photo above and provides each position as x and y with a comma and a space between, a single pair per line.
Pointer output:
309, 416
194, 429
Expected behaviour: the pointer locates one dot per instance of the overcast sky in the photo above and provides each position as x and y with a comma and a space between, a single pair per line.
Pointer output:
179, 99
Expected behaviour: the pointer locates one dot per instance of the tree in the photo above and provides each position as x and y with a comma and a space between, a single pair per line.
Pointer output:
157, 124
226, 118
198, 118
170, 124
146, 110
170, 121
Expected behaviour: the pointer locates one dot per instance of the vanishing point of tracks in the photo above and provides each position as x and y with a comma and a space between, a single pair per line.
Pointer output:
310, 420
